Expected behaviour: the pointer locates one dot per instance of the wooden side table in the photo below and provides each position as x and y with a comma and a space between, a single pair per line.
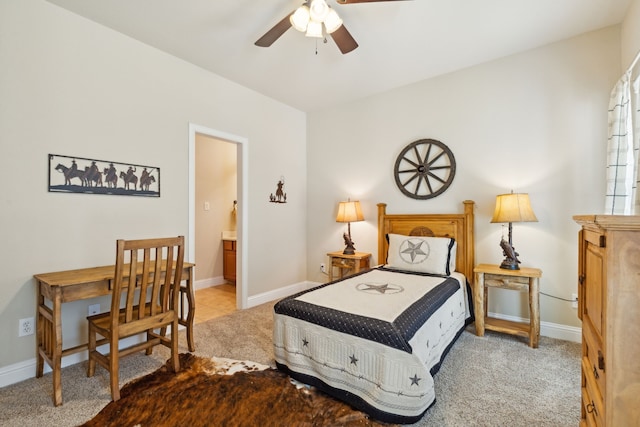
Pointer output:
525, 279
347, 264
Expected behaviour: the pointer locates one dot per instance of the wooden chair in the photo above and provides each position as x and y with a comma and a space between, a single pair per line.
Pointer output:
154, 268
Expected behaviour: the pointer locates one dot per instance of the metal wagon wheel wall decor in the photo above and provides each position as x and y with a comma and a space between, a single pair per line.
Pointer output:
424, 169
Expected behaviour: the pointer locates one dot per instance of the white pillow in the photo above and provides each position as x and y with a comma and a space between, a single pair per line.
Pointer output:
435, 255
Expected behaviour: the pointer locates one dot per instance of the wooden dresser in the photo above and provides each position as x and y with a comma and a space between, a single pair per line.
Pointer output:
609, 307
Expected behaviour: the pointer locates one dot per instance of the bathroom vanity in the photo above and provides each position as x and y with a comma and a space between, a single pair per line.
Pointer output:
229, 256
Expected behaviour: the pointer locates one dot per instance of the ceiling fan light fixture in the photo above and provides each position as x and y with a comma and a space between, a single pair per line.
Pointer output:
318, 10
332, 22
300, 18
314, 29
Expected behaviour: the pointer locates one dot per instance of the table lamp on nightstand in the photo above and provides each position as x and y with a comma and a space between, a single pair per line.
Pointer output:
512, 208
349, 212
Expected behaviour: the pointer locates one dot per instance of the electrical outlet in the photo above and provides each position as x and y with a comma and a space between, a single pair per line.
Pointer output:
94, 309
323, 268
574, 300
26, 327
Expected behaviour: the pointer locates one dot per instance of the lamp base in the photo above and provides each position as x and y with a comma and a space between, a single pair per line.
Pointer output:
511, 256
350, 249
510, 264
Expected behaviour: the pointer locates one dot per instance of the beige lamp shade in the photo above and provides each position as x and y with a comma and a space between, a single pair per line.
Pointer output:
349, 212
513, 208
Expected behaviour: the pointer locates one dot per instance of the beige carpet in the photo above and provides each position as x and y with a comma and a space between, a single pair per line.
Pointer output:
496, 380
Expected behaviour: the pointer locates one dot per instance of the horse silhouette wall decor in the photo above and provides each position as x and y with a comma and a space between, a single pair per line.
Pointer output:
68, 174
280, 195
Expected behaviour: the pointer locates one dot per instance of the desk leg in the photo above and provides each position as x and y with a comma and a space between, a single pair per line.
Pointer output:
478, 304
39, 333
57, 348
191, 298
187, 313
534, 311
49, 341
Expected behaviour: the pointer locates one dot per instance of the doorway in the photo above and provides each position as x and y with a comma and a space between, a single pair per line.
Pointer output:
236, 214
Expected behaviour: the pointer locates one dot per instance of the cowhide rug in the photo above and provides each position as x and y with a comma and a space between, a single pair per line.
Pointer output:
223, 392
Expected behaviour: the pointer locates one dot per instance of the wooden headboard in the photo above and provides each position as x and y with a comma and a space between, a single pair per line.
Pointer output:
458, 226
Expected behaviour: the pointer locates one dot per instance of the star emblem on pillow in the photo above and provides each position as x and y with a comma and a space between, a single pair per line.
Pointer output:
414, 251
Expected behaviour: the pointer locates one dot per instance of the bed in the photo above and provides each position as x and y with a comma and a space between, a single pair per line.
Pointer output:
375, 339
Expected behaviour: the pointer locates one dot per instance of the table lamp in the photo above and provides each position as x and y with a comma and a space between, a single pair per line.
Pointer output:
512, 208
349, 212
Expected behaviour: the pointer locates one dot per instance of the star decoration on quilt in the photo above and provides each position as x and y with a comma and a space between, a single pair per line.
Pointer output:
354, 360
415, 380
379, 288
414, 251
305, 343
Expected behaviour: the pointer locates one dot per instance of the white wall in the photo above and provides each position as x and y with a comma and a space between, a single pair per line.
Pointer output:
71, 87
533, 122
630, 44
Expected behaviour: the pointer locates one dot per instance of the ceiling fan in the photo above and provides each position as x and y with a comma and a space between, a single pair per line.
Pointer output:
311, 18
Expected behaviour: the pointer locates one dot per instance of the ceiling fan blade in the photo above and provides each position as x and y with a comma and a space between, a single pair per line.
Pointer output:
343, 38
363, 1
274, 33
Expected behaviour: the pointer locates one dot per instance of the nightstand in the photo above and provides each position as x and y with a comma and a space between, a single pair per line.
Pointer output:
347, 264
525, 279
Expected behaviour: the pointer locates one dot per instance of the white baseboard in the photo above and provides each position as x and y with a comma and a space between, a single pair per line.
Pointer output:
26, 369
279, 293
207, 283
548, 329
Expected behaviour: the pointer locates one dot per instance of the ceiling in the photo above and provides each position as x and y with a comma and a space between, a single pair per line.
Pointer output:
401, 42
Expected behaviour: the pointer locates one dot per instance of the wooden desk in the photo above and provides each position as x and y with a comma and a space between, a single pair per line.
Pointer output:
524, 279
85, 283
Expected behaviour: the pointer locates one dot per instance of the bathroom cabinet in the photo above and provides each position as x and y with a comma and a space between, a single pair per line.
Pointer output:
229, 260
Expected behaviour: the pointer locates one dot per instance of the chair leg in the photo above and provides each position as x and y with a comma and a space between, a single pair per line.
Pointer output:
149, 349
114, 373
91, 367
175, 359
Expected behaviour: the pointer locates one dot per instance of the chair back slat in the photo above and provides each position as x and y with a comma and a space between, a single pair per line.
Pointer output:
143, 284
157, 288
130, 296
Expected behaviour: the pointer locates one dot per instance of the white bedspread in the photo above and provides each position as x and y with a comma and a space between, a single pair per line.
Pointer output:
384, 364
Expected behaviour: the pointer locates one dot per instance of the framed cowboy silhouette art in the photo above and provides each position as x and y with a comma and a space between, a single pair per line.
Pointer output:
72, 174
